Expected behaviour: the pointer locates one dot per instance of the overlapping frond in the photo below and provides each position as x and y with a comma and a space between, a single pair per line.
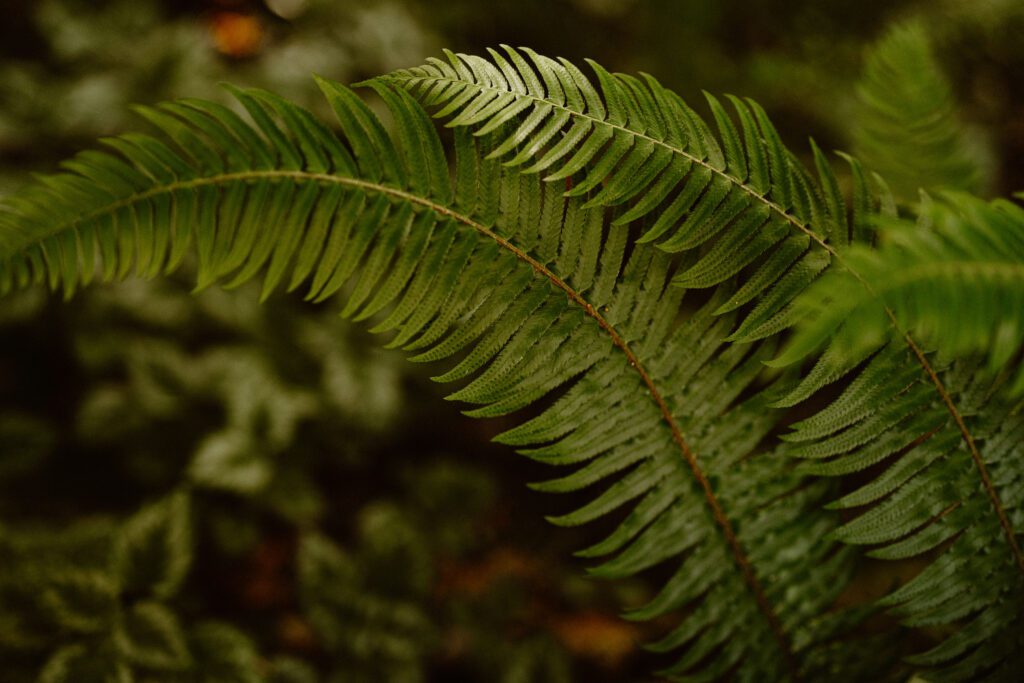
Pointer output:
532, 293
741, 208
955, 281
907, 125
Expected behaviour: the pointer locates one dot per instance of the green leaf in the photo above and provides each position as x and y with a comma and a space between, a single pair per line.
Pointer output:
322, 564
290, 670
79, 599
231, 460
153, 550
223, 654
150, 635
80, 664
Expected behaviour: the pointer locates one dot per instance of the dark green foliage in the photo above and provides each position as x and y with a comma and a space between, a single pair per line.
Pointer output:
638, 289
100, 605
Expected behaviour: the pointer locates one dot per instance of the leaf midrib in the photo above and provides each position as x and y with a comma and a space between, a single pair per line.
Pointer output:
718, 513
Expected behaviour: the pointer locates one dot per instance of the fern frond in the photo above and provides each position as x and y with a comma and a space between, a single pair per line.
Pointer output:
535, 294
716, 199
907, 125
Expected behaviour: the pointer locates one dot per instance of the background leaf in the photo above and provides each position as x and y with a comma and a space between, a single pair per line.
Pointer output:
153, 551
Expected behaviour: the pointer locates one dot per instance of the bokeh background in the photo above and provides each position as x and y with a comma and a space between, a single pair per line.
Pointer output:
347, 523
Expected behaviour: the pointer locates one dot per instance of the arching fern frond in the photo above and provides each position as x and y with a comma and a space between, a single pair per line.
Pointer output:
533, 293
718, 200
907, 125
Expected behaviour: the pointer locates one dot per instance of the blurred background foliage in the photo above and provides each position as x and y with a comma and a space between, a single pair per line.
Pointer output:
200, 488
